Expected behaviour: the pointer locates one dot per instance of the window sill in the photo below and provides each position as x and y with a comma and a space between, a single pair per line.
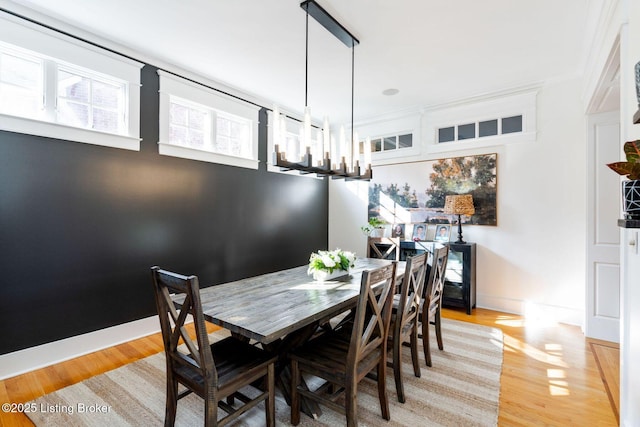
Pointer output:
68, 133
206, 156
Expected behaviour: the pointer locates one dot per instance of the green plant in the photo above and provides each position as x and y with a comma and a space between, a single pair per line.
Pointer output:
331, 260
630, 168
374, 222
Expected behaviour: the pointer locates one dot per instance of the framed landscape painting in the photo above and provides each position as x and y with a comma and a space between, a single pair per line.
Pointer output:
415, 192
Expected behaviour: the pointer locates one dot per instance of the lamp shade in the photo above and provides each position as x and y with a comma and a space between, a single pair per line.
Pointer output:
459, 204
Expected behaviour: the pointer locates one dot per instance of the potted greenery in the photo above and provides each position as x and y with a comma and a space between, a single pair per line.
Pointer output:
374, 228
327, 265
631, 187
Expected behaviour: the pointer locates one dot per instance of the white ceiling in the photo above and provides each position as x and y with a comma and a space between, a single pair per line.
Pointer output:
432, 51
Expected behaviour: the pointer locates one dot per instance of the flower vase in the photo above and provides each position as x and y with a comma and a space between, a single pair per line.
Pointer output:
325, 276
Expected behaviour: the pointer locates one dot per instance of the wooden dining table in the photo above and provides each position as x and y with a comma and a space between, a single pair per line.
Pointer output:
269, 307
283, 309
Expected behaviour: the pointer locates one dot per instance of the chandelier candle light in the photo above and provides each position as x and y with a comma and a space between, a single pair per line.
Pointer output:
459, 204
349, 163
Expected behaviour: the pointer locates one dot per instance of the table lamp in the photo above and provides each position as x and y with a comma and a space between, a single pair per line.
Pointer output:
459, 204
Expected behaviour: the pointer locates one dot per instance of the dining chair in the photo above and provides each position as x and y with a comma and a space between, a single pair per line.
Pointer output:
214, 372
344, 356
404, 318
432, 304
384, 248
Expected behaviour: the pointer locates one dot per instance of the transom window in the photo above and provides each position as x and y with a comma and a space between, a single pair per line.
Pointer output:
50, 86
88, 101
198, 123
480, 129
21, 78
390, 143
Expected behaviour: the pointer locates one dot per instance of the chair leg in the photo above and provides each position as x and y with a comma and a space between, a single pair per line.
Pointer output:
172, 400
270, 404
351, 403
295, 397
414, 350
425, 340
210, 409
439, 330
382, 389
397, 366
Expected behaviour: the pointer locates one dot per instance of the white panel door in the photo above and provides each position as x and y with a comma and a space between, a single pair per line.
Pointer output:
603, 235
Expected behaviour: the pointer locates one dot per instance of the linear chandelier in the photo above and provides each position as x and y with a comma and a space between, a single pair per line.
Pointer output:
349, 163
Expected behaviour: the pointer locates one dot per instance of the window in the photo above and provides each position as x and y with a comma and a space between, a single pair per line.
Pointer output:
199, 123
50, 86
485, 128
88, 101
495, 120
488, 128
390, 143
512, 124
21, 77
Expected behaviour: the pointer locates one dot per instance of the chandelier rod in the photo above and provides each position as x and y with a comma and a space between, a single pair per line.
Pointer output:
306, 61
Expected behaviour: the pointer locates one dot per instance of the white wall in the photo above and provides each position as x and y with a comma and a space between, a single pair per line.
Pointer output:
533, 261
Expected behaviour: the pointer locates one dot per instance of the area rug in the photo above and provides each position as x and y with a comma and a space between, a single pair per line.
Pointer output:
462, 388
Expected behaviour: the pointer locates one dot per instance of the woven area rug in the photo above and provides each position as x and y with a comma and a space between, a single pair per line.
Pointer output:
462, 388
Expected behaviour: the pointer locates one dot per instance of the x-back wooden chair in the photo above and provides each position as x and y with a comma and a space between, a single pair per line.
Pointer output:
384, 248
432, 307
405, 318
345, 355
214, 372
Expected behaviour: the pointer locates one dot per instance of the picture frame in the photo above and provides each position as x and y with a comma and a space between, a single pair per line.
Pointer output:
442, 232
419, 233
398, 230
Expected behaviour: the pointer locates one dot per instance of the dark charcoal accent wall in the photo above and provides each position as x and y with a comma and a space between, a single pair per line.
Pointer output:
80, 226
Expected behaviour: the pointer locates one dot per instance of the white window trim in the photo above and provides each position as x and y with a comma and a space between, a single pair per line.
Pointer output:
521, 104
64, 49
190, 91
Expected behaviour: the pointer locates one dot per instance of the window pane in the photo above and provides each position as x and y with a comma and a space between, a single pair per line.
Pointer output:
177, 135
106, 95
178, 114
390, 143
73, 86
376, 144
105, 120
20, 71
20, 85
512, 124
405, 141
196, 139
467, 131
196, 119
73, 113
488, 128
446, 134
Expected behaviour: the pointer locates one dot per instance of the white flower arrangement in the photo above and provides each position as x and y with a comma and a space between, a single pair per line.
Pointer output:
328, 261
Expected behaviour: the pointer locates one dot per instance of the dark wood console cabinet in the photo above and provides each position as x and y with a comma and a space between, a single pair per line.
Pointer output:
460, 283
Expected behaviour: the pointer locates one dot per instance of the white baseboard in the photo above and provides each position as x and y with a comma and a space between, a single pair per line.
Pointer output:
532, 310
19, 362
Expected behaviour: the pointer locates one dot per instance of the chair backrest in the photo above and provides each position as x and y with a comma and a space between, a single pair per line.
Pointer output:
437, 273
384, 248
411, 290
168, 285
373, 314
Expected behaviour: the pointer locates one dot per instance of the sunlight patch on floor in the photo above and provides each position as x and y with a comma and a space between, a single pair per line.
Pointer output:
516, 345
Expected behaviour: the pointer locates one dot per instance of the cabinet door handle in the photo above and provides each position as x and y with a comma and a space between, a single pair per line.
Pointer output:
633, 242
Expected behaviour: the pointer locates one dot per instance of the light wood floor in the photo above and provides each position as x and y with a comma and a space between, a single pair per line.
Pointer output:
550, 375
